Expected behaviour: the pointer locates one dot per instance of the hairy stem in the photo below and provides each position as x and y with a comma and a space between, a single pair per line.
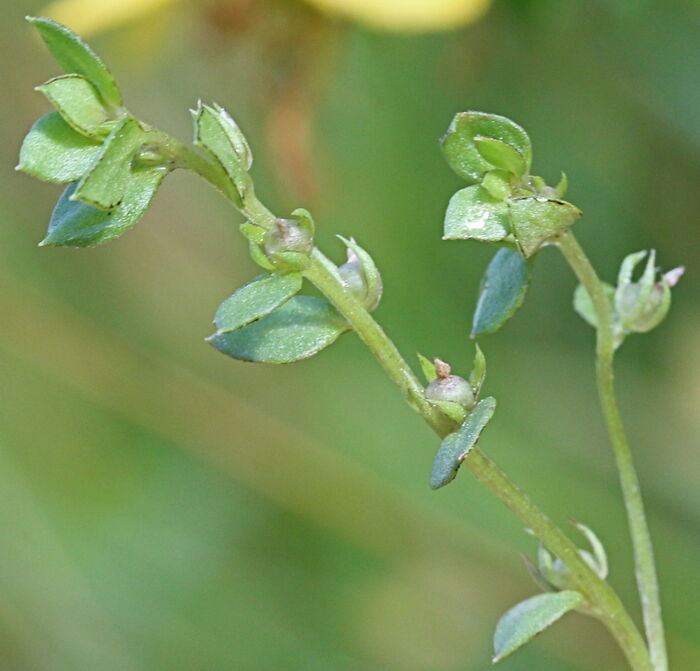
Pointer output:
322, 273
639, 529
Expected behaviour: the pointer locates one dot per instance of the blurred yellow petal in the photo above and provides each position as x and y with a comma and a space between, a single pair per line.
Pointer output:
93, 16
407, 15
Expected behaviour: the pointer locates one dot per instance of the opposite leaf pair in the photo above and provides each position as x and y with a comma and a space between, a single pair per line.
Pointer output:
508, 205
91, 141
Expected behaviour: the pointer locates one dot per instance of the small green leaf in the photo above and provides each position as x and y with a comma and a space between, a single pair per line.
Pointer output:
428, 368
563, 186
78, 224
258, 255
457, 445
534, 220
501, 154
110, 176
305, 221
473, 213
217, 133
524, 621
54, 152
297, 330
255, 300
460, 148
253, 233
77, 101
453, 410
584, 305
502, 291
478, 374
74, 56
497, 183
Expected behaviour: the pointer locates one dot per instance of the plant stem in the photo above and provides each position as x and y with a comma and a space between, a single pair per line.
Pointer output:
323, 274
598, 592
639, 529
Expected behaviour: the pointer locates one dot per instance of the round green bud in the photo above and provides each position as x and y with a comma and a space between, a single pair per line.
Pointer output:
448, 387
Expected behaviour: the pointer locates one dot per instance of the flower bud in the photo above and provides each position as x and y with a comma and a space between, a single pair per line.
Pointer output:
448, 387
288, 244
644, 304
360, 275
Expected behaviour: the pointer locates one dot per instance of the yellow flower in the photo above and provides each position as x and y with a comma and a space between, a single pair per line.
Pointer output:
407, 15
92, 16
87, 17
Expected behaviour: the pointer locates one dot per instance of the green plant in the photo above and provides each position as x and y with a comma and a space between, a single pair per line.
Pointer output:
114, 163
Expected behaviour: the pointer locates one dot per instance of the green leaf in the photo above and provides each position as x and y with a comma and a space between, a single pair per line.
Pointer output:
502, 291
54, 152
74, 56
455, 448
478, 374
452, 409
563, 186
460, 148
255, 300
78, 224
428, 368
497, 183
584, 305
501, 154
297, 330
524, 621
77, 101
253, 233
473, 213
109, 177
217, 133
259, 256
534, 220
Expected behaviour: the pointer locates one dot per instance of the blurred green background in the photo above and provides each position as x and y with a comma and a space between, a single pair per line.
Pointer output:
165, 508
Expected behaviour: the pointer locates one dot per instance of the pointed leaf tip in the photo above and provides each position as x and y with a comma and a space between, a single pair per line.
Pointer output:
530, 617
77, 57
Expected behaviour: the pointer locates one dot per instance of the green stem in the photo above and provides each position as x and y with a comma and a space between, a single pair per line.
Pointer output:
639, 529
598, 592
322, 273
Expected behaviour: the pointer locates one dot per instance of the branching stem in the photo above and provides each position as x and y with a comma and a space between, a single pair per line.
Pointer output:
322, 273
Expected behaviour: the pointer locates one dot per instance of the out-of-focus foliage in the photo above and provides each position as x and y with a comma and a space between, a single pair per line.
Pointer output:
165, 508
